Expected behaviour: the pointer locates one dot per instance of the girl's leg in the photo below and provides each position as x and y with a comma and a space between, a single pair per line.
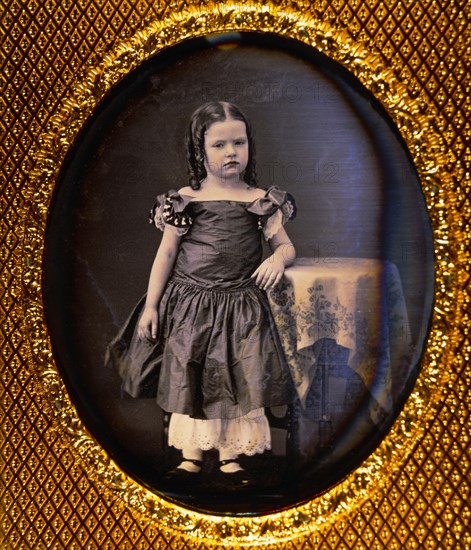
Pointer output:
181, 428
234, 474
192, 458
246, 434
228, 462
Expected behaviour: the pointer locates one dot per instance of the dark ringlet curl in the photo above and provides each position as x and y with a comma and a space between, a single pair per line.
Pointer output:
200, 121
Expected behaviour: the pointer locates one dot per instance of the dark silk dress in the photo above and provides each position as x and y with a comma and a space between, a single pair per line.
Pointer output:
218, 353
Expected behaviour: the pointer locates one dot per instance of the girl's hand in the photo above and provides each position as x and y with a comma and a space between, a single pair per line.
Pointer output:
148, 324
269, 272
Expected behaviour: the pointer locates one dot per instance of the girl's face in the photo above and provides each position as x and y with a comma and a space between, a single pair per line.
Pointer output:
226, 149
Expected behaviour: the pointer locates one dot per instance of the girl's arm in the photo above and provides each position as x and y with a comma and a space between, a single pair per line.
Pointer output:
161, 269
270, 271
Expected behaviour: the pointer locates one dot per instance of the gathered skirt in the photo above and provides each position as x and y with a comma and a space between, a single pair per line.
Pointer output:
217, 354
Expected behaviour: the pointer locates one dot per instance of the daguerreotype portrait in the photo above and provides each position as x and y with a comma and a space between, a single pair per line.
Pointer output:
234, 275
238, 274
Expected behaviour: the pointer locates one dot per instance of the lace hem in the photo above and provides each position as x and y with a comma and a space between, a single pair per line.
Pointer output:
248, 434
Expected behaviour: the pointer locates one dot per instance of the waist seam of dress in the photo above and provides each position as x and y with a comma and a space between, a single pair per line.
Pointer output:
214, 289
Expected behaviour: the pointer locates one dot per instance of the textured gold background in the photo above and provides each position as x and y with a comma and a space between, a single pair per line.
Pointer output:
48, 499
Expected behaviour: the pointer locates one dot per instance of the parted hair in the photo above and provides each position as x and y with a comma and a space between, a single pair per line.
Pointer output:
200, 121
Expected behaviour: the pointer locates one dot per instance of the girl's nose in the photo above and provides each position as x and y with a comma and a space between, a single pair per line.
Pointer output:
230, 150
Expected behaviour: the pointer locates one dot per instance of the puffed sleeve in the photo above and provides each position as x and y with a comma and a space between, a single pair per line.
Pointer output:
274, 209
169, 211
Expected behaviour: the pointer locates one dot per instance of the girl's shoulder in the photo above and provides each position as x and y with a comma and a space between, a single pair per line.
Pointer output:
275, 207
169, 210
274, 195
187, 191
274, 199
259, 192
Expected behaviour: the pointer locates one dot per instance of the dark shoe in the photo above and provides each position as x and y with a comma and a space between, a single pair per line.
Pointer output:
240, 479
181, 474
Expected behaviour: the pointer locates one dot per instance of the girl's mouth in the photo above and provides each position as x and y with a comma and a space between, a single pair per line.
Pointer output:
231, 163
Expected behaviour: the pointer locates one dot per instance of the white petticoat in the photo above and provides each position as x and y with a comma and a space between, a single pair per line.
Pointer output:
248, 434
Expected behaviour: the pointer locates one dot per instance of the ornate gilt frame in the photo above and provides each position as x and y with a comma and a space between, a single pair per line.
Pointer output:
59, 487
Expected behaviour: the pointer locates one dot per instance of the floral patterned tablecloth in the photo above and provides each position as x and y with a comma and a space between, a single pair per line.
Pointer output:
359, 303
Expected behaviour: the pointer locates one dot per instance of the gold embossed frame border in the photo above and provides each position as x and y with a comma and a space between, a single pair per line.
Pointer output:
417, 122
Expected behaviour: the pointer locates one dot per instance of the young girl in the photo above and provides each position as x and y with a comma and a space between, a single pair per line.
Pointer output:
203, 339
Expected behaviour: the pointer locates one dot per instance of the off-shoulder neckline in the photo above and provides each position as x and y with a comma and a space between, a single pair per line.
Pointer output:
192, 200
248, 204
221, 200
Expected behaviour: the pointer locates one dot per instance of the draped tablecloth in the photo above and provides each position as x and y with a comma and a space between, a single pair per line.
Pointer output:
359, 303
